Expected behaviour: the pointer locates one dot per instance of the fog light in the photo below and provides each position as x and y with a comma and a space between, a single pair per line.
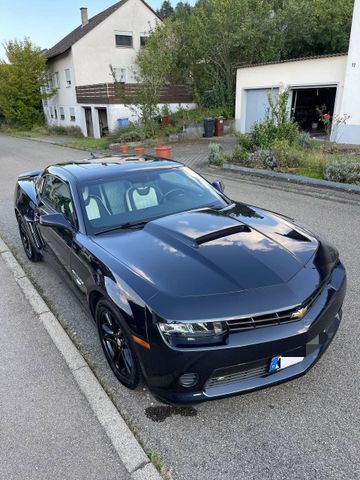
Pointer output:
189, 380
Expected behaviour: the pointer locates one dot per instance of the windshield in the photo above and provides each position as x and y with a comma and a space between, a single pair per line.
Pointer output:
142, 196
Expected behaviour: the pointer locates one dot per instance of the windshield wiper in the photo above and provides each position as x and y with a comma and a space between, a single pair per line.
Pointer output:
124, 226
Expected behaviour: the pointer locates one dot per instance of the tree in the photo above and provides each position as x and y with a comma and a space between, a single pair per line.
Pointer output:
166, 10
314, 27
206, 42
237, 31
20, 82
182, 10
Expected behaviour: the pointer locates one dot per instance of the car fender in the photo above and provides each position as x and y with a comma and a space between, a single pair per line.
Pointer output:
130, 306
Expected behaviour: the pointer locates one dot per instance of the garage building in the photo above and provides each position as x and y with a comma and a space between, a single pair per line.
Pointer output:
330, 82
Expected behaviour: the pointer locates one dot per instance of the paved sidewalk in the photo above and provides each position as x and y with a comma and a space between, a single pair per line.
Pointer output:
47, 428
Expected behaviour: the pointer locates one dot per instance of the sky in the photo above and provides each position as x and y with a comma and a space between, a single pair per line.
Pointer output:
48, 21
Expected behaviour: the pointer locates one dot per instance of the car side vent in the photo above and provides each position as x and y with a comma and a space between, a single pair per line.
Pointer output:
295, 235
225, 232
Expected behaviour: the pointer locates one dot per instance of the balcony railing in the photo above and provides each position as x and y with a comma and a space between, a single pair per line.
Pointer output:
107, 93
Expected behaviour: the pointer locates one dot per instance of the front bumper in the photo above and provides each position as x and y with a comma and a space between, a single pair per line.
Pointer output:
242, 365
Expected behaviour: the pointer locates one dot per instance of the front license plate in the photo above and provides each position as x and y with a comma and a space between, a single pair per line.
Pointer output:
280, 362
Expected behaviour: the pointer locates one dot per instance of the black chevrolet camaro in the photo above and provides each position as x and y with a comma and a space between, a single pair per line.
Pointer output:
199, 296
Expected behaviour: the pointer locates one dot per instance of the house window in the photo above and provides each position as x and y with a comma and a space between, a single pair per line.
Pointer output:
62, 113
56, 80
45, 101
120, 75
72, 114
143, 38
67, 77
51, 112
50, 84
55, 113
124, 39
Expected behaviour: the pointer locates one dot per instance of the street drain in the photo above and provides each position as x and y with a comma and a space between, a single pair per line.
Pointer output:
161, 413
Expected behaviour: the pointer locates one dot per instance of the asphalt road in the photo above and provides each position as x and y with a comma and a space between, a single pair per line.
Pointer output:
305, 429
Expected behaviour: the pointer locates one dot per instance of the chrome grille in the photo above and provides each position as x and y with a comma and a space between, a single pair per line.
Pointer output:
237, 374
256, 321
273, 318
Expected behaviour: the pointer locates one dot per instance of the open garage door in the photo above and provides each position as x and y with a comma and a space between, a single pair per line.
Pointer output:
306, 103
256, 105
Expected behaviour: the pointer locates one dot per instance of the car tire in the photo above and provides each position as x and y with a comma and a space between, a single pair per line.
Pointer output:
27, 243
117, 345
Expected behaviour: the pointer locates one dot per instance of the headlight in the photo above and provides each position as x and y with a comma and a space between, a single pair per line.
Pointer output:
187, 334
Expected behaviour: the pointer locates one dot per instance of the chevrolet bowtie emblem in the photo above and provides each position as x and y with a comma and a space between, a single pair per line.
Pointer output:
300, 313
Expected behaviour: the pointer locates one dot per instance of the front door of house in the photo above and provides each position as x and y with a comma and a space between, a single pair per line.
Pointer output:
89, 122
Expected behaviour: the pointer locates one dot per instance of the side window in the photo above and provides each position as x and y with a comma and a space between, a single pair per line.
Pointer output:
57, 194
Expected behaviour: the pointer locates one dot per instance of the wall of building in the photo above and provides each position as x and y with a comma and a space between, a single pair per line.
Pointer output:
116, 112
65, 96
350, 106
97, 50
311, 73
89, 62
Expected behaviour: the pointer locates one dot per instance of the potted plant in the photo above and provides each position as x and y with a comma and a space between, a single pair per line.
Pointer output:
139, 150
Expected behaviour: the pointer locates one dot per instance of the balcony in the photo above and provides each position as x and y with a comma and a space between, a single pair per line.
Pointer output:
110, 93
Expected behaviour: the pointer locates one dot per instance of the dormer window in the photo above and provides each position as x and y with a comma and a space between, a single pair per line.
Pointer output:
124, 39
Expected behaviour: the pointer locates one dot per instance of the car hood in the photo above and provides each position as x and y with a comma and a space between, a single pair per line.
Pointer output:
208, 252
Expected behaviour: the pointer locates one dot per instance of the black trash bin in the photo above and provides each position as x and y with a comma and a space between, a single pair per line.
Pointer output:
209, 127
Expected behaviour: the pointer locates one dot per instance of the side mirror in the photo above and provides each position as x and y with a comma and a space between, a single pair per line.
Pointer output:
218, 184
55, 220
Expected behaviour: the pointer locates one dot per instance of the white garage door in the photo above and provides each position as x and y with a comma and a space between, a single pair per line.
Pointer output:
256, 105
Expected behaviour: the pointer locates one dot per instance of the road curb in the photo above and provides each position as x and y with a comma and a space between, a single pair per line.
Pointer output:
291, 178
130, 451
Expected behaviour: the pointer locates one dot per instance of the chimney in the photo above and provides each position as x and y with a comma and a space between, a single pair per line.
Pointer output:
84, 16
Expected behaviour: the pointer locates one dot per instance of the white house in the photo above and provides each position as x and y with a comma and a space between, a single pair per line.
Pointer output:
79, 68
332, 81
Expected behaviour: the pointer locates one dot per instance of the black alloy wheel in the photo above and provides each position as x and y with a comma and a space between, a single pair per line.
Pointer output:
117, 345
30, 251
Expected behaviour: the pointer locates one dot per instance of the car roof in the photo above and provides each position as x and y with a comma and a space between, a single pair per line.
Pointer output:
108, 167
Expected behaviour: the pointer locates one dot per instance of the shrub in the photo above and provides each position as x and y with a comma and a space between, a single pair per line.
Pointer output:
131, 136
262, 159
343, 170
187, 116
239, 155
312, 163
215, 155
285, 155
72, 131
245, 141
258, 159
277, 124
132, 133
304, 139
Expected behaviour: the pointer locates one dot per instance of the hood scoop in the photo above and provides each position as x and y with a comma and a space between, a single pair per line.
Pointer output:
196, 228
225, 232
